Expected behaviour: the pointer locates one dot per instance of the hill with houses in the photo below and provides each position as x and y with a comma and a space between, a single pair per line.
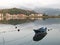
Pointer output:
17, 11
15, 15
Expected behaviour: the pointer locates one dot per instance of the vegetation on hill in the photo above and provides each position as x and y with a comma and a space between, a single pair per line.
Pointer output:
16, 11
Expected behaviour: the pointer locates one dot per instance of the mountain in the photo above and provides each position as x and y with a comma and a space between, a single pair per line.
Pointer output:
28, 11
48, 11
17, 11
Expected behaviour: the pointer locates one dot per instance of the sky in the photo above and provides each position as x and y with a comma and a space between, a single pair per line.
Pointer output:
30, 3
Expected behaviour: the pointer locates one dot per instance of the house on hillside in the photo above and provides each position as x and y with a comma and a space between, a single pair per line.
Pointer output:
35, 16
22, 16
1, 16
15, 16
40, 14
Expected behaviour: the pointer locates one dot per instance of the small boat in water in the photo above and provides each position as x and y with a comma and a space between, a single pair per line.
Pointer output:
39, 34
40, 30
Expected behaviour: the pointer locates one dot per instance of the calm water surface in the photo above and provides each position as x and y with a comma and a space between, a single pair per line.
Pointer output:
10, 36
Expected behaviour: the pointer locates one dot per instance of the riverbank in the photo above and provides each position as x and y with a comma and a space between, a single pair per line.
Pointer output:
44, 17
28, 19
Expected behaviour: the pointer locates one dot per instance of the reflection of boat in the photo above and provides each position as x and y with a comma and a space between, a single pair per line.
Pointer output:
39, 34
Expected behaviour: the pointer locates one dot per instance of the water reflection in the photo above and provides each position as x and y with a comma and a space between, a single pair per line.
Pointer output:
10, 34
19, 21
39, 36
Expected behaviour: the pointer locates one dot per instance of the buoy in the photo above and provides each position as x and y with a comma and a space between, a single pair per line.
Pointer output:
18, 30
15, 27
48, 30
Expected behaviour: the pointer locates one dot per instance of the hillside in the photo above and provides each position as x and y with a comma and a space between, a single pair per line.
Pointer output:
16, 11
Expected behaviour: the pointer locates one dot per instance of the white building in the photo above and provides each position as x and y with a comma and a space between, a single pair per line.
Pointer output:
1, 16
40, 14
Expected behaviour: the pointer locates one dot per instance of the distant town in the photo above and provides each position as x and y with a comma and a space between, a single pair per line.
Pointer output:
14, 13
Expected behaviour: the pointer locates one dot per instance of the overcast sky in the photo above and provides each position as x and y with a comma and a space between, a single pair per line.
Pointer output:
29, 3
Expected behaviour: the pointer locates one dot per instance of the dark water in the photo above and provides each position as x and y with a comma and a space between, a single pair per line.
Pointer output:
10, 36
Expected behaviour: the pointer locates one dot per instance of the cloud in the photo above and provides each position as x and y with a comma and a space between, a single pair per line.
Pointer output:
29, 3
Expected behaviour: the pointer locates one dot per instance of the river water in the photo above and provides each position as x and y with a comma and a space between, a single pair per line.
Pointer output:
10, 36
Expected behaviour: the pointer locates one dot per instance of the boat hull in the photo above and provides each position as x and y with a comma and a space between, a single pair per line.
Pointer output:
39, 36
